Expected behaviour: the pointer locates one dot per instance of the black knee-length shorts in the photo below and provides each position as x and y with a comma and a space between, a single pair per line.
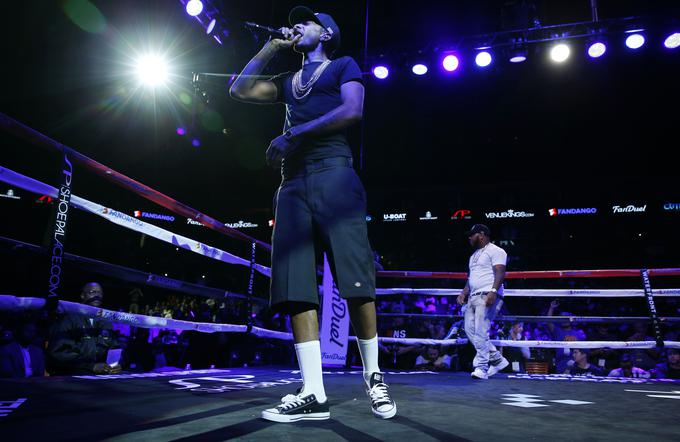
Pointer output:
321, 207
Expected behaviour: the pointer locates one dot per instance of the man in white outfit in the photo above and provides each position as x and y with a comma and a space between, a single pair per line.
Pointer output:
485, 289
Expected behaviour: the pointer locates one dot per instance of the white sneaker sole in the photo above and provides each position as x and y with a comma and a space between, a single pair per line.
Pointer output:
385, 414
479, 377
496, 368
287, 418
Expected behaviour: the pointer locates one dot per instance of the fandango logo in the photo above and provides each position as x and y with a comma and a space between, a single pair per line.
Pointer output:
510, 214
578, 211
140, 214
394, 217
629, 209
241, 225
672, 206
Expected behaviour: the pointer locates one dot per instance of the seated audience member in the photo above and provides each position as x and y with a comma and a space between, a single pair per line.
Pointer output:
433, 360
79, 344
671, 368
627, 369
644, 358
563, 332
579, 365
23, 358
603, 356
516, 355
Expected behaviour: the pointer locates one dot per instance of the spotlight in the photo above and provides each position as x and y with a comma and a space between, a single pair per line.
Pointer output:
195, 142
518, 55
483, 59
559, 53
597, 49
211, 26
672, 41
450, 63
381, 72
635, 41
152, 70
181, 131
194, 7
419, 69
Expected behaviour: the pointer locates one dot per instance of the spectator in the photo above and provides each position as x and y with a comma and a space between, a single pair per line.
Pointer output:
433, 359
23, 359
399, 355
643, 358
605, 357
671, 368
564, 332
579, 365
516, 355
79, 344
627, 369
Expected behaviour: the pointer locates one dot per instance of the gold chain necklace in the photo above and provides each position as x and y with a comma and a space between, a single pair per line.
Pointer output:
300, 90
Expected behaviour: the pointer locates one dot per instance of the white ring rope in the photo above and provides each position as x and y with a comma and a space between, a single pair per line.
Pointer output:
116, 217
8, 302
539, 293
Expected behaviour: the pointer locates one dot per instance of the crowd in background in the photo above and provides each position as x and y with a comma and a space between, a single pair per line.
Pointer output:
36, 343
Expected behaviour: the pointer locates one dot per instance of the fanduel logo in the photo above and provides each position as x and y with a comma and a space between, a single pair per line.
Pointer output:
672, 207
428, 216
241, 225
510, 214
462, 214
394, 217
578, 211
140, 214
629, 209
193, 222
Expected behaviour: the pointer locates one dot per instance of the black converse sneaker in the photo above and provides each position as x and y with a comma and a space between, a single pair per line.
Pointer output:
381, 402
295, 407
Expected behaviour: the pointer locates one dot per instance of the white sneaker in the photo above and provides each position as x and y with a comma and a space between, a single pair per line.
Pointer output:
498, 366
479, 374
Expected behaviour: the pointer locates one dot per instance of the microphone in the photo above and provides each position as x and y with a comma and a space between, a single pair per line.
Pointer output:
274, 33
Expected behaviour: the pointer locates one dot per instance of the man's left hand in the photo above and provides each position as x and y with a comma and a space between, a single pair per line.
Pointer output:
490, 298
279, 148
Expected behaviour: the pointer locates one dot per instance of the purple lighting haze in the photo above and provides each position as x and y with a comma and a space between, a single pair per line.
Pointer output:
381, 72
181, 131
450, 63
195, 142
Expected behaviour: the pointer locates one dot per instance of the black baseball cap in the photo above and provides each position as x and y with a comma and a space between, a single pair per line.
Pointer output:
302, 14
478, 228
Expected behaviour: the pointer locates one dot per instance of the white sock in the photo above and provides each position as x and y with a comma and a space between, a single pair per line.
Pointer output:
309, 359
368, 349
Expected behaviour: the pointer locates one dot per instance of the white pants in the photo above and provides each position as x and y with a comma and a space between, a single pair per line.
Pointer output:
478, 319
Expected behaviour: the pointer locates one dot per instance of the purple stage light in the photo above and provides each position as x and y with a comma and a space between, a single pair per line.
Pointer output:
672, 41
194, 7
450, 63
419, 69
217, 39
211, 26
381, 72
483, 59
597, 49
181, 131
635, 41
195, 142
518, 55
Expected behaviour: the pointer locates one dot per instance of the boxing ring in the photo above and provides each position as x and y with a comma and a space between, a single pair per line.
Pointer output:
220, 404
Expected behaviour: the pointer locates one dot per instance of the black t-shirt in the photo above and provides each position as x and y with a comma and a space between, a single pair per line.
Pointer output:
323, 98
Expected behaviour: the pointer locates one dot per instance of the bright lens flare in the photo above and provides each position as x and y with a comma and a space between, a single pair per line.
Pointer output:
152, 70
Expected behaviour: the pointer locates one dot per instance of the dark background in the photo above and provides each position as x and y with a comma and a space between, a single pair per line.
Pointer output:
527, 137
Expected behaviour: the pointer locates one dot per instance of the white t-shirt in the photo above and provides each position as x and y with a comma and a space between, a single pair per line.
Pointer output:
481, 267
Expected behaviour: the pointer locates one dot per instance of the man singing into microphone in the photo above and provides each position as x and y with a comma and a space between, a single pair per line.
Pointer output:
321, 204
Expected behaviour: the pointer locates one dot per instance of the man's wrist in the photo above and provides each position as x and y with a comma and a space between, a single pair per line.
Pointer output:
493, 290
